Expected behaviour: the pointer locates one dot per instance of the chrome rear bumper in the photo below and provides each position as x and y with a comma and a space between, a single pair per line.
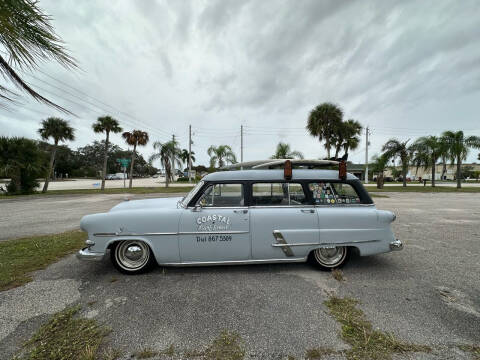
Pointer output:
86, 254
396, 245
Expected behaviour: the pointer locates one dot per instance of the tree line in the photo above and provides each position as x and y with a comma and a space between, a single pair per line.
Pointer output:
427, 152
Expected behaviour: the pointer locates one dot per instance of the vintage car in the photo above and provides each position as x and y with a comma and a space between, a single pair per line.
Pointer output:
260, 215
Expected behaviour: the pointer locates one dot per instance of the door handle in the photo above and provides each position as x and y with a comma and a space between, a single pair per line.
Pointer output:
308, 211
240, 211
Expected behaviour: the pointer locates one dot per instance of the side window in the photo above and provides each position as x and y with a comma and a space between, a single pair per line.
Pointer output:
221, 195
325, 193
277, 194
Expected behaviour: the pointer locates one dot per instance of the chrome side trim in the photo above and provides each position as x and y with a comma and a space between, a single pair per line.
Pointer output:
281, 240
213, 232
171, 233
296, 244
233, 262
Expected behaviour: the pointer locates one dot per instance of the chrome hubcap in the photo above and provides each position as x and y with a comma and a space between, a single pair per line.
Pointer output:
132, 254
330, 257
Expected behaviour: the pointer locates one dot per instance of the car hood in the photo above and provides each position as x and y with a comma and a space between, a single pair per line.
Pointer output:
170, 202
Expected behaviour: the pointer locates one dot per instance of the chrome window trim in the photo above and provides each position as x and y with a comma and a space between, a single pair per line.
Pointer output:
343, 205
281, 206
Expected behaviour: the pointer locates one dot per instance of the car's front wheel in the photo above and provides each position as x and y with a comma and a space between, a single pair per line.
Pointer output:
329, 258
132, 256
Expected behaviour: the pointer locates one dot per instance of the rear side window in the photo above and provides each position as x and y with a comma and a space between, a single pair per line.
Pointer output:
278, 194
326, 193
222, 195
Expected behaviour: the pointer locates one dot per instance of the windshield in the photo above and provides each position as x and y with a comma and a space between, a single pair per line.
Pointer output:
191, 194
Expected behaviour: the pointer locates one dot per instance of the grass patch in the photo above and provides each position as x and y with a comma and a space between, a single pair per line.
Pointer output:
19, 257
338, 274
318, 353
472, 349
135, 190
357, 331
227, 346
65, 337
424, 189
378, 196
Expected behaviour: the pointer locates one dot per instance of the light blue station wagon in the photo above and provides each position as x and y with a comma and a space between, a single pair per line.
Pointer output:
245, 217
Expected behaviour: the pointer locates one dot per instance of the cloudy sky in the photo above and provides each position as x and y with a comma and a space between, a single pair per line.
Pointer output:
404, 68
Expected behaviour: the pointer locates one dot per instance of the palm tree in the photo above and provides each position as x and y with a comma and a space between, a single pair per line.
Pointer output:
379, 163
135, 138
166, 153
283, 152
27, 38
184, 155
458, 146
394, 148
427, 151
346, 136
106, 124
222, 155
59, 130
323, 122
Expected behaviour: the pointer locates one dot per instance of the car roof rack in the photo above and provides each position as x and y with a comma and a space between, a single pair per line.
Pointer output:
280, 164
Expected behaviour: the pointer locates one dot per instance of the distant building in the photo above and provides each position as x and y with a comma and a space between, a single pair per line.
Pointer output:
415, 173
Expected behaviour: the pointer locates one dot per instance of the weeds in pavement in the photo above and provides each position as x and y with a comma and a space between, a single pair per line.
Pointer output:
65, 337
338, 274
472, 349
227, 346
318, 353
365, 342
146, 353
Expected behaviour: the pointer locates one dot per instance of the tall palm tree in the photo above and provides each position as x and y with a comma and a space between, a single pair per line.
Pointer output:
394, 148
106, 124
346, 136
222, 155
283, 151
27, 38
167, 152
427, 151
323, 122
59, 130
134, 138
458, 146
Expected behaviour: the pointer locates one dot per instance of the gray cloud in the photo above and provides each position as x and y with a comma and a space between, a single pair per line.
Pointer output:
404, 68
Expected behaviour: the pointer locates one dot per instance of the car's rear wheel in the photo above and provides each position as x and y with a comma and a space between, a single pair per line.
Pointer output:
329, 258
132, 256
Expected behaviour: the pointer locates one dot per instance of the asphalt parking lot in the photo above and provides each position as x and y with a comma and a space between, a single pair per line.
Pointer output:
427, 294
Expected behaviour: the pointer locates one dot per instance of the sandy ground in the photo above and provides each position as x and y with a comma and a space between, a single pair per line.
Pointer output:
429, 293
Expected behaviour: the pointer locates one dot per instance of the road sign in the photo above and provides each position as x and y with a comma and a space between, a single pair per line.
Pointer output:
123, 162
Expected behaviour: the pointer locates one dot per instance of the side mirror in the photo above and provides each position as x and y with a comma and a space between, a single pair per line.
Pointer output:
197, 208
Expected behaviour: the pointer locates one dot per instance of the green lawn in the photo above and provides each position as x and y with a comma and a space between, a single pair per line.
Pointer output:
19, 257
423, 189
135, 190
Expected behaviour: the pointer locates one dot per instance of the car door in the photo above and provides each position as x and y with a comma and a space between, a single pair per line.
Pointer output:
284, 224
342, 217
217, 227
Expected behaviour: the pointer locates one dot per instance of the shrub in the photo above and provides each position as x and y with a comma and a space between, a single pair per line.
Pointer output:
23, 162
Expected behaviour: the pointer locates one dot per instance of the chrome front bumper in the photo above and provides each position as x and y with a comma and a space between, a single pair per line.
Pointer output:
396, 245
86, 254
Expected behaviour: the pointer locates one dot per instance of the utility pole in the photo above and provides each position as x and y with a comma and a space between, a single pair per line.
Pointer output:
173, 158
189, 153
367, 131
241, 146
